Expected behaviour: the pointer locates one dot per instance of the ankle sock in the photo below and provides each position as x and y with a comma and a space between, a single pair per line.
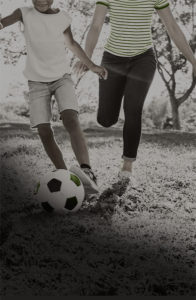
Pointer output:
83, 166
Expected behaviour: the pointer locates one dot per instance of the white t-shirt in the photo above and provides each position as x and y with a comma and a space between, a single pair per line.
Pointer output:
46, 57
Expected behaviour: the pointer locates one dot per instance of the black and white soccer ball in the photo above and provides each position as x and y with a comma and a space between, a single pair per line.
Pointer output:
60, 190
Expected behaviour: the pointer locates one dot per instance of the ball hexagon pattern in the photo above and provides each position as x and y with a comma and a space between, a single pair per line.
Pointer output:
60, 190
54, 185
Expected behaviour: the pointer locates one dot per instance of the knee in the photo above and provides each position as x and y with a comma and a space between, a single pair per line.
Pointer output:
45, 131
105, 122
70, 121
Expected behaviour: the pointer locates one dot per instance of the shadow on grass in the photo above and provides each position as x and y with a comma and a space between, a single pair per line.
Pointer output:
59, 256
82, 254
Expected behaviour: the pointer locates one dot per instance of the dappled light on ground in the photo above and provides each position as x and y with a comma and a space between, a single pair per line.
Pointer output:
125, 241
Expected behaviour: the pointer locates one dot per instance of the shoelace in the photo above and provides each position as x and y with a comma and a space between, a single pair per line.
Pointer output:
90, 174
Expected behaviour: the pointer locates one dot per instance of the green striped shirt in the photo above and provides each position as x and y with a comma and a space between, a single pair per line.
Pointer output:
131, 21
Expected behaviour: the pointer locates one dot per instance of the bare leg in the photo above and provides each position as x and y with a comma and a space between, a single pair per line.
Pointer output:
127, 166
78, 142
50, 146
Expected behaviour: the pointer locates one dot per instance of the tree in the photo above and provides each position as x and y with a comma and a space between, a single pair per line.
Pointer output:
171, 63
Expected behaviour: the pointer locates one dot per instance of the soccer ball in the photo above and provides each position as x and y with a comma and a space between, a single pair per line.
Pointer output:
60, 190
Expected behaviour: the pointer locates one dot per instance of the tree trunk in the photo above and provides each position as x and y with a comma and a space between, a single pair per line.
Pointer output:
175, 113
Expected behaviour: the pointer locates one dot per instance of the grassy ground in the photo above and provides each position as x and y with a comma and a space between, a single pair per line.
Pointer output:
135, 242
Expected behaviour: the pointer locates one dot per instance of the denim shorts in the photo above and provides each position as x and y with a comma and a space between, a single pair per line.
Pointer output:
40, 94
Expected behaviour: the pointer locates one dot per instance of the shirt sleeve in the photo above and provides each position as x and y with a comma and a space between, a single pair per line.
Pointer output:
159, 4
104, 2
66, 20
24, 11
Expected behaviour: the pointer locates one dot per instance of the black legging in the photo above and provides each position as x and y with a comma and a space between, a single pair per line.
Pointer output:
130, 77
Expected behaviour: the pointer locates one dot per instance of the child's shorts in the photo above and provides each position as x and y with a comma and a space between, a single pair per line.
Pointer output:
40, 94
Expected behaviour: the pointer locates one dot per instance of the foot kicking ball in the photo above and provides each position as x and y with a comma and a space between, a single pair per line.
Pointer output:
60, 190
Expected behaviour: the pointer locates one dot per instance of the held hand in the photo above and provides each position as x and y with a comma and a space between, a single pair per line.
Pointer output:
100, 71
194, 70
1, 25
80, 68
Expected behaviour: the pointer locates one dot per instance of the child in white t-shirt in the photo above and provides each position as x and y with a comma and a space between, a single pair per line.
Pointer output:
47, 32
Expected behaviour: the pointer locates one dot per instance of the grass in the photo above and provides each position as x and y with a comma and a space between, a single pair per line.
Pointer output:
136, 242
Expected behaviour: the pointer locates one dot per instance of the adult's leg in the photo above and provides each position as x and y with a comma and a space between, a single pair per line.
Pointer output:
111, 90
138, 83
78, 141
47, 137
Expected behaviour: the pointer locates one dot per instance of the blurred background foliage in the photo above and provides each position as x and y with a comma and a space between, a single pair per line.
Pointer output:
172, 108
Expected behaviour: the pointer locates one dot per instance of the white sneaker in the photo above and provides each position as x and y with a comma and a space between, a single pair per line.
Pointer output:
88, 179
124, 175
127, 176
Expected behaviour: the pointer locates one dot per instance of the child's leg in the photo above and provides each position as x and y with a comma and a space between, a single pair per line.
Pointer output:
50, 145
68, 107
78, 142
40, 116
79, 146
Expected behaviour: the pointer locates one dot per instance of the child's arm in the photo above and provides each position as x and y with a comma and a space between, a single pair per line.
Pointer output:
79, 52
11, 19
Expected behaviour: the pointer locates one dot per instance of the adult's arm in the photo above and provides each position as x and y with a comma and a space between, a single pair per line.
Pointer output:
177, 35
93, 35
95, 28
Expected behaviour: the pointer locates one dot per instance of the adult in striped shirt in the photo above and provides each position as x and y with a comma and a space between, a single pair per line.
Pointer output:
130, 61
